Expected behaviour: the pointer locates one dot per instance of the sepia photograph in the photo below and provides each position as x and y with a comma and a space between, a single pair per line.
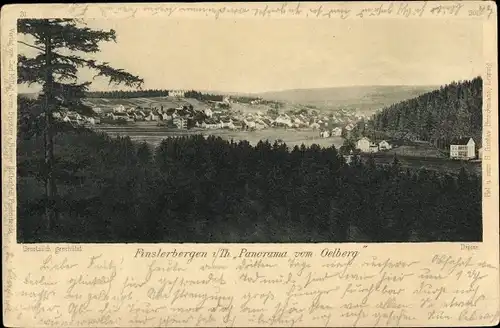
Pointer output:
261, 164
165, 130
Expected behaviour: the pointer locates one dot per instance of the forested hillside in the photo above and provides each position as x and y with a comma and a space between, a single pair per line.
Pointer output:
455, 110
210, 190
364, 99
122, 94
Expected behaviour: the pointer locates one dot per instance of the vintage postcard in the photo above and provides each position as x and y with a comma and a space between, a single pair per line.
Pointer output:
257, 164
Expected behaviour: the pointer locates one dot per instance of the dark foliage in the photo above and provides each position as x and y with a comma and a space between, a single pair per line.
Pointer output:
440, 116
60, 45
202, 96
121, 94
209, 190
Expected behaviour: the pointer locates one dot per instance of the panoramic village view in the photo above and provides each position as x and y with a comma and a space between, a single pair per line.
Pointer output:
391, 163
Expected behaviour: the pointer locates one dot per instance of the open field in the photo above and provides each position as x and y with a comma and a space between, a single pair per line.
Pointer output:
419, 149
409, 156
153, 134
108, 104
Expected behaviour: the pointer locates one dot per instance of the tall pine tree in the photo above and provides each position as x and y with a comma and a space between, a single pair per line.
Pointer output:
59, 44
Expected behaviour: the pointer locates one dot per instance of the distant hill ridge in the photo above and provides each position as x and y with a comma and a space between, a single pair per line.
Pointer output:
363, 98
359, 98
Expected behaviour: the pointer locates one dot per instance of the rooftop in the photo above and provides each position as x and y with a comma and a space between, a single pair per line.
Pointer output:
461, 141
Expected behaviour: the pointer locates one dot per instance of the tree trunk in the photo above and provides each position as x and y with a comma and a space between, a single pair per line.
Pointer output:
50, 185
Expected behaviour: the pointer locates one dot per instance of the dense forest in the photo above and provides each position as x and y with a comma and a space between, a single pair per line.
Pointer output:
197, 189
202, 96
455, 110
121, 94
245, 99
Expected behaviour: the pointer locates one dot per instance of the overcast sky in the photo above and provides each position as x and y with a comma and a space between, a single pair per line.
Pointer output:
248, 55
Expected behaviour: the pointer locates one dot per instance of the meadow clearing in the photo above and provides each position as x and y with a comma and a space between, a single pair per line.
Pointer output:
416, 156
153, 134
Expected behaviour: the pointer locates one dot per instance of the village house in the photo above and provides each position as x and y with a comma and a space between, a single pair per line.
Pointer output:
365, 145
348, 130
258, 120
151, 117
336, 132
314, 126
184, 112
384, 145
249, 124
267, 121
72, 117
159, 114
208, 112
180, 123
137, 116
259, 126
219, 105
463, 148
176, 93
120, 116
119, 109
374, 148
75, 116
324, 134
97, 110
227, 123
90, 120
211, 124
172, 112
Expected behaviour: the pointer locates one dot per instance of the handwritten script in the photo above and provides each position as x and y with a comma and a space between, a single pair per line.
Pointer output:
295, 9
165, 286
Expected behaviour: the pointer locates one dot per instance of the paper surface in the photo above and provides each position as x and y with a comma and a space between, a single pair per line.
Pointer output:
256, 285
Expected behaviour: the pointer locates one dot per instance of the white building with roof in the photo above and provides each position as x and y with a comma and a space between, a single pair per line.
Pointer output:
463, 148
